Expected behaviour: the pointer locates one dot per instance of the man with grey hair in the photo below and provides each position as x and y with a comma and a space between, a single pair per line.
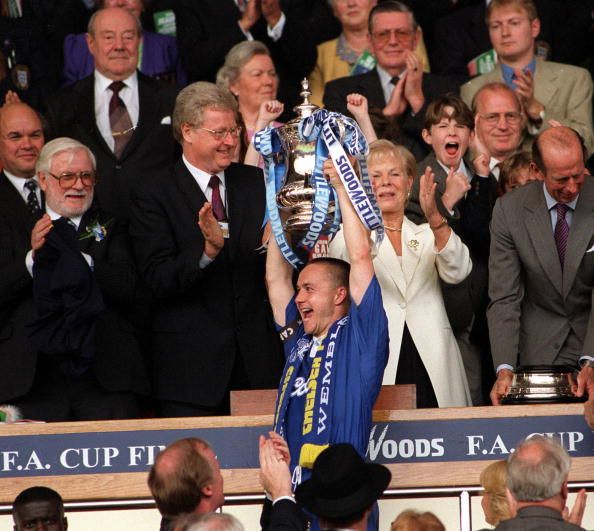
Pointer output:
197, 232
86, 363
537, 474
123, 116
396, 88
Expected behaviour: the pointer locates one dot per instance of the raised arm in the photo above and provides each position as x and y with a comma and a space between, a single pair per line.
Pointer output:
356, 238
279, 281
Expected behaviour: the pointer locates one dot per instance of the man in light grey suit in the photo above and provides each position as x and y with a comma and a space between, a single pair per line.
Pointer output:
537, 473
547, 90
541, 265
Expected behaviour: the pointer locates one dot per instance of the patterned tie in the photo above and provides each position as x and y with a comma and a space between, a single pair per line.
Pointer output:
561, 231
394, 80
119, 119
32, 201
218, 208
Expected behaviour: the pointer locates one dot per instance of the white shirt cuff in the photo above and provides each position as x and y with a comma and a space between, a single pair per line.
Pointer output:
284, 498
247, 34
205, 260
89, 259
583, 361
29, 262
504, 366
276, 32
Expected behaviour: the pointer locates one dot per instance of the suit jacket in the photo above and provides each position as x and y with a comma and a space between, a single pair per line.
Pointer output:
208, 29
534, 303
160, 58
118, 364
369, 85
411, 294
204, 318
564, 90
71, 112
284, 515
537, 519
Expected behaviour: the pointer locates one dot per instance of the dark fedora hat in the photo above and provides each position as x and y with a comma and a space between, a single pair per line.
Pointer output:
341, 483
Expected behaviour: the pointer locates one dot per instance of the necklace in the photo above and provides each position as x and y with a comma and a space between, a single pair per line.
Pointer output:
392, 229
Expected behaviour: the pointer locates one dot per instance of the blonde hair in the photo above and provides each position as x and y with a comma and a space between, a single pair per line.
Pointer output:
410, 520
493, 480
382, 149
236, 59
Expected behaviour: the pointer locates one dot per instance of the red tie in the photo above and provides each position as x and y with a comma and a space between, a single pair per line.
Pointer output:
218, 209
561, 231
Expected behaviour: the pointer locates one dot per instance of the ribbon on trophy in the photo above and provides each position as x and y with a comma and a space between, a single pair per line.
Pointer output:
326, 129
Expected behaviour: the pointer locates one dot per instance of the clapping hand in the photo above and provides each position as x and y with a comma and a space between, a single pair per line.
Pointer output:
211, 230
40, 231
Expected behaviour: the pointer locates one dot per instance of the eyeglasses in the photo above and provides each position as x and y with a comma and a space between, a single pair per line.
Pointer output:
220, 134
382, 38
511, 118
68, 178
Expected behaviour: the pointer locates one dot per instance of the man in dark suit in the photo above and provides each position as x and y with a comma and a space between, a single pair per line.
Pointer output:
208, 29
541, 265
212, 325
21, 139
397, 87
70, 350
537, 473
122, 115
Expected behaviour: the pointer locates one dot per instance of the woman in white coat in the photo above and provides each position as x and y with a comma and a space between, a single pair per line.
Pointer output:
408, 265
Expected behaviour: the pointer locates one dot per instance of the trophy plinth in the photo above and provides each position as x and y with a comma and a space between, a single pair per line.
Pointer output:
542, 384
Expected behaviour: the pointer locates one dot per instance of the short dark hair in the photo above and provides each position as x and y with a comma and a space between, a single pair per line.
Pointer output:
560, 136
436, 111
34, 494
391, 6
339, 269
178, 489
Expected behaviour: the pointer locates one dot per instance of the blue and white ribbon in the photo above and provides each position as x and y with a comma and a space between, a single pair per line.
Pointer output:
324, 128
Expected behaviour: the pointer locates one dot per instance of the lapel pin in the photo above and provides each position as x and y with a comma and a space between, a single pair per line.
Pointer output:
413, 244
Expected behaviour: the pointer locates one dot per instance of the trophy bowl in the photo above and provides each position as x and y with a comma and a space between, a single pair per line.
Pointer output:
542, 384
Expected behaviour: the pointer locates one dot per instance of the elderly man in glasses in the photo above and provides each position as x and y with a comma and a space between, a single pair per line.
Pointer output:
79, 358
197, 233
396, 88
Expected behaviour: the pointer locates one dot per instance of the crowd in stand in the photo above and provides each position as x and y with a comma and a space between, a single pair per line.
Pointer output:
137, 274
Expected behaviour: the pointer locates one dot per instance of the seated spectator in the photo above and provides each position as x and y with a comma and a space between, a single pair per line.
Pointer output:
495, 503
250, 75
516, 171
349, 53
410, 261
547, 90
208, 522
396, 87
186, 478
39, 508
537, 473
159, 56
410, 520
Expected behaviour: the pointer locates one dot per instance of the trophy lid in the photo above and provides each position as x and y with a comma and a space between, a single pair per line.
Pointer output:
306, 108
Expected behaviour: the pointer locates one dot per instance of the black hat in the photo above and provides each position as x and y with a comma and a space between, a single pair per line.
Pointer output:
341, 483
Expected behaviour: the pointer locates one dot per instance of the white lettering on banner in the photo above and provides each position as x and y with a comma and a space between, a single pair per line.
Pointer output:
88, 457
404, 448
327, 378
478, 446
143, 455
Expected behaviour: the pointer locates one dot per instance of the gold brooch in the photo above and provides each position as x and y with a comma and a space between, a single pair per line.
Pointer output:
413, 244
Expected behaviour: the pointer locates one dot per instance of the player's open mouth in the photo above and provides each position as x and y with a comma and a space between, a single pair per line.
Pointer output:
452, 148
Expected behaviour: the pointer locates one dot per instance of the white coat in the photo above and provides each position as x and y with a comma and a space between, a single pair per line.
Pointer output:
412, 293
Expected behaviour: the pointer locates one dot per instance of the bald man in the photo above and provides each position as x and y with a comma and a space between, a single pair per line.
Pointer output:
541, 265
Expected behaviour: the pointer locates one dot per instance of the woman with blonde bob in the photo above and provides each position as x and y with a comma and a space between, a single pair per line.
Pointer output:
494, 503
409, 263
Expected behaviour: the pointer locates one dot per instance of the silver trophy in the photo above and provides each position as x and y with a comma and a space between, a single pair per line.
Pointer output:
296, 194
542, 384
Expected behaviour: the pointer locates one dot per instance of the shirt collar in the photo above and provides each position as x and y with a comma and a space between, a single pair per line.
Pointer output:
461, 167
385, 77
508, 72
551, 201
19, 182
102, 82
202, 177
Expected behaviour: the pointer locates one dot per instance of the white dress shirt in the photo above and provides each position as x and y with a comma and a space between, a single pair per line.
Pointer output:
19, 184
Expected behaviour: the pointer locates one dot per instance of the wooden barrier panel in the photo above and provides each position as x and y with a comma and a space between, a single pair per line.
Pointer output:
261, 401
109, 460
